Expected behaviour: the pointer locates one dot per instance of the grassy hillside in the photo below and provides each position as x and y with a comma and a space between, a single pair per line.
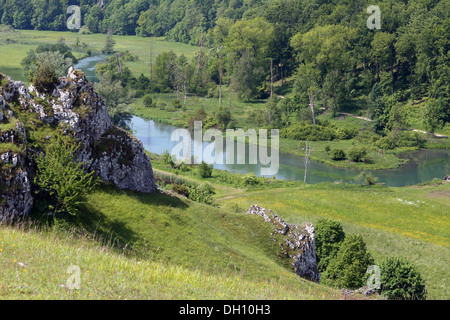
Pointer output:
410, 222
149, 247
137, 246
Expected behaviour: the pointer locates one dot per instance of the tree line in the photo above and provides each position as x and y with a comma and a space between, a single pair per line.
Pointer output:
324, 47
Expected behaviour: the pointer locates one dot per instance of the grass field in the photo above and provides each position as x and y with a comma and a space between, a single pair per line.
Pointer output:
410, 222
175, 249
14, 47
136, 246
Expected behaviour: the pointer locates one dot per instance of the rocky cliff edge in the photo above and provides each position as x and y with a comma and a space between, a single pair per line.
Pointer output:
73, 107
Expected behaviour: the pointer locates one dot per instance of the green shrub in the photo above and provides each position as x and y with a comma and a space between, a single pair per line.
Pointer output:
327, 148
346, 133
207, 188
44, 78
348, 268
201, 194
62, 177
183, 167
329, 235
366, 179
400, 280
148, 101
250, 179
167, 159
338, 155
176, 103
161, 104
386, 143
180, 189
357, 155
205, 170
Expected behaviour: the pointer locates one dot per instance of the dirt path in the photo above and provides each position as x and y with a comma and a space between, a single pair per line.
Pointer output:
355, 116
415, 130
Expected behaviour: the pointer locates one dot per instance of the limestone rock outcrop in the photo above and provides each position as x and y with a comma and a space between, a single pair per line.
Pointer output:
75, 108
297, 243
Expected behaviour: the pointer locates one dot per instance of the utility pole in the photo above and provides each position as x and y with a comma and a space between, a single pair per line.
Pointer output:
271, 78
220, 75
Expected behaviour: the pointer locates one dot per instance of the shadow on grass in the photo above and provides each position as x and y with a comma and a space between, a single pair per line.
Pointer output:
92, 223
155, 199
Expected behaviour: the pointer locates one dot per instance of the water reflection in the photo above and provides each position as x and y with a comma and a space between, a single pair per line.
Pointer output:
423, 166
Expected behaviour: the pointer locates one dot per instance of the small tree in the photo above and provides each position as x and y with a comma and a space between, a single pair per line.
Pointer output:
148, 101
63, 177
205, 170
401, 280
44, 77
357, 155
366, 179
110, 43
338, 154
348, 269
329, 235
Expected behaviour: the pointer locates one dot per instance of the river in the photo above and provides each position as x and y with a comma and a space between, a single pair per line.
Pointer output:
423, 165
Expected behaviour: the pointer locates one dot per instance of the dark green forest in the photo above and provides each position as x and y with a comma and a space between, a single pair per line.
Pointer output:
324, 47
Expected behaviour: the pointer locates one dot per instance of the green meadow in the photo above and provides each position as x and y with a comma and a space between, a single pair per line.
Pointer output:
410, 222
136, 246
15, 45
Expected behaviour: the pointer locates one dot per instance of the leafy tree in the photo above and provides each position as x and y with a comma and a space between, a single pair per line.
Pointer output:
329, 235
223, 118
338, 154
325, 56
205, 170
247, 77
164, 70
436, 115
58, 55
62, 177
148, 101
44, 78
378, 108
348, 269
117, 99
109, 44
400, 280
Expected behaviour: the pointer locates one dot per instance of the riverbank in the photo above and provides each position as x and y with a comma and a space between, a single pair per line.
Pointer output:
377, 159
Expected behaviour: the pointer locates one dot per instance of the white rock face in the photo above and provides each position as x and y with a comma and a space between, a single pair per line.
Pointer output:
112, 153
298, 243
